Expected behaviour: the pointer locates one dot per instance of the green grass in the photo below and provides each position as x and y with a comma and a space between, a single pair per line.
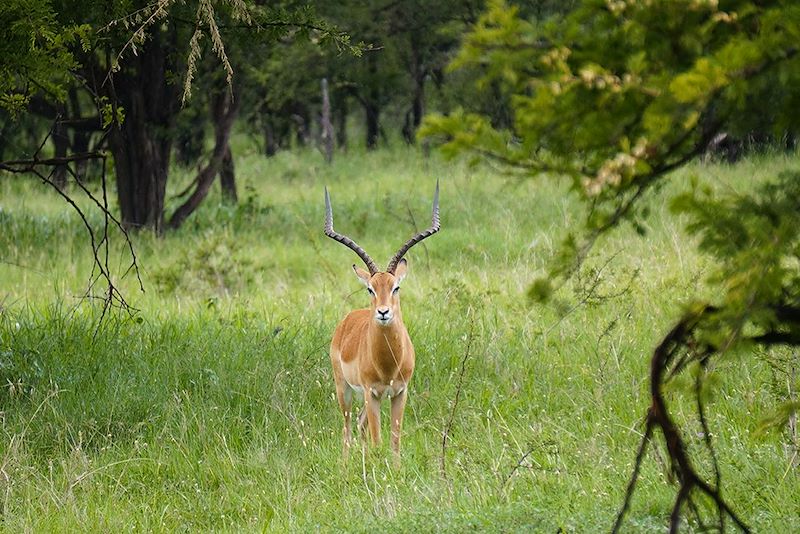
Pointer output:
212, 409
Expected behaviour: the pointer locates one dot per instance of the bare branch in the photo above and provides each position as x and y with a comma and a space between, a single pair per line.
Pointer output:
99, 242
637, 465
659, 416
449, 425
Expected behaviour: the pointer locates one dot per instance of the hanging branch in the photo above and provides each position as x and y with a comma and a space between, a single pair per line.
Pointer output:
659, 417
112, 296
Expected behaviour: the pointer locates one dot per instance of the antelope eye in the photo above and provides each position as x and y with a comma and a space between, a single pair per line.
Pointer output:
370, 291
396, 290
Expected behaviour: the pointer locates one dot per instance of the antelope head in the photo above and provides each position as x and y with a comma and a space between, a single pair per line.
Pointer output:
383, 286
384, 290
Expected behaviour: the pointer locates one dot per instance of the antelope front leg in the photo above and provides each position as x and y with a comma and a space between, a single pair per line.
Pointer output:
372, 406
398, 407
362, 422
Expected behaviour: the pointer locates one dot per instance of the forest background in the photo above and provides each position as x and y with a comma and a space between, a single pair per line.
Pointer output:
606, 325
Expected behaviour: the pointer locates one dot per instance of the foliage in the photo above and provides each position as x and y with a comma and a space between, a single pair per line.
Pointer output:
615, 96
755, 248
272, 24
40, 52
618, 93
135, 64
37, 51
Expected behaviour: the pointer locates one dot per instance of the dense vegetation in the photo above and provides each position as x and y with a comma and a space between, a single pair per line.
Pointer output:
615, 96
600, 109
212, 407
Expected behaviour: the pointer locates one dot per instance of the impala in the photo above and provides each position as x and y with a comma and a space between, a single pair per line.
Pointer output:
371, 351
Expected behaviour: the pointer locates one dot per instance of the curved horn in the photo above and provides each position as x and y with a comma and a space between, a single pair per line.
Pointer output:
420, 236
343, 239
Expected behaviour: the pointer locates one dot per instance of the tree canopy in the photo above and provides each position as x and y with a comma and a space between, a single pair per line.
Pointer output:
615, 95
38, 53
135, 63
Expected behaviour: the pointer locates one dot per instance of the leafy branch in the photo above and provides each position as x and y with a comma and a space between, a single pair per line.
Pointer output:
615, 97
685, 338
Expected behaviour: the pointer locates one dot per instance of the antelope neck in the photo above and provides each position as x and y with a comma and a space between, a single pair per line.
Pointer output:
388, 342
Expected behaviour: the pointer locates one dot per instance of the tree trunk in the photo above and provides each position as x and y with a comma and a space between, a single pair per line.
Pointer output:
341, 121
327, 125
80, 144
141, 165
61, 145
224, 109
372, 113
371, 104
302, 121
418, 74
227, 177
270, 140
80, 136
142, 143
418, 103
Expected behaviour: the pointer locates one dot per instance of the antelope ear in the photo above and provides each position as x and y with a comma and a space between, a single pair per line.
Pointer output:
362, 275
401, 270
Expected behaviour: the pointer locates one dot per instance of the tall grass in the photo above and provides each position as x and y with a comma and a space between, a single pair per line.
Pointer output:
212, 408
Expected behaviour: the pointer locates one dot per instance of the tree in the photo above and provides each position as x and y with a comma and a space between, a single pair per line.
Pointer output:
252, 27
425, 35
407, 45
39, 57
138, 60
615, 96
281, 88
371, 81
37, 53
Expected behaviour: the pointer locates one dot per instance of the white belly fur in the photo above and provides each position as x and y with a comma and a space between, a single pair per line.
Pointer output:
380, 391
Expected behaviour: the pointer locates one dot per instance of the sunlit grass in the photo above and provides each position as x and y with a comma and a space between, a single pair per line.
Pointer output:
212, 408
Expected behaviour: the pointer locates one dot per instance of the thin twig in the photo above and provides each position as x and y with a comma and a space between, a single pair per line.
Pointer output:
449, 425
701, 413
518, 465
675, 517
100, 243
696, 511
637, 465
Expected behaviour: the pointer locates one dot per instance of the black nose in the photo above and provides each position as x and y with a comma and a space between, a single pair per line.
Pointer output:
383, 311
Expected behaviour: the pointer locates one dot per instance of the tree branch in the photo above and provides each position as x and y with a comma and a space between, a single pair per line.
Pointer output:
449, 425
99, 244
637, 465
659, 416
23, 166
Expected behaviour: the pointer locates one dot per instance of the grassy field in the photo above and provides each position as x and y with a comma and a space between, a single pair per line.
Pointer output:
212, 409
